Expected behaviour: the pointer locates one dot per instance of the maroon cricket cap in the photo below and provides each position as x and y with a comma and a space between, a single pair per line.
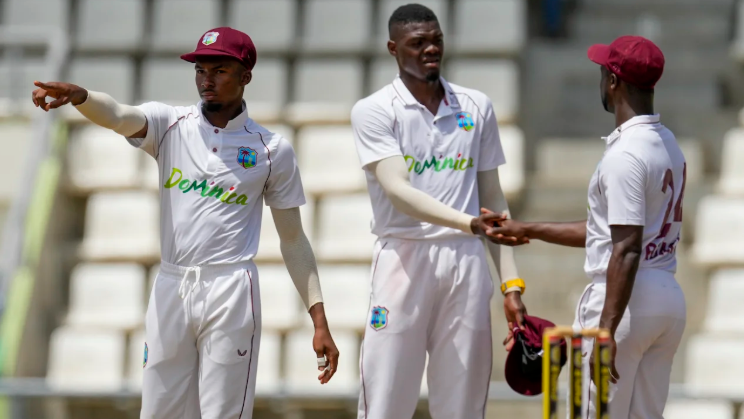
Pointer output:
226, 42
523, 369
634, 59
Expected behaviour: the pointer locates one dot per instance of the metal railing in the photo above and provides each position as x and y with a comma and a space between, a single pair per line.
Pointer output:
16, 40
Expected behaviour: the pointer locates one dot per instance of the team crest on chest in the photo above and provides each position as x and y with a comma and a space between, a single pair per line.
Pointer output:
247, 157
379, 319
465, 121
210, 38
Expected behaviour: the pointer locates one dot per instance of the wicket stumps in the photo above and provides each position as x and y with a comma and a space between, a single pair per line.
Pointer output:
552, 367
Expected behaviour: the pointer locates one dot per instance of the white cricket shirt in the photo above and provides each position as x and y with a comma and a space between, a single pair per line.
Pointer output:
443, 152
212, 182
640, 181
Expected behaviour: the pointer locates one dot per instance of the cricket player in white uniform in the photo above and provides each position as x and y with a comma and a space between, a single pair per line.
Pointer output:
631, 235
430, 151
217, 165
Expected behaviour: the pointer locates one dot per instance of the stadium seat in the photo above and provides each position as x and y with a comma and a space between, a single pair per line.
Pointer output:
268, 378
697, 409
490, 26
719, 231
99, 158
86, 360
122, 227
386, 9
169, 80
346, 290
383, 71
328, 159
26, 13
269, 23
336, 25
179, 24
16, 142
113, 25
281, 306
268, 246
725, 294
135, 357
267, 92
731, 181
17, 78
325, 90
584, 155
498, 79
114, 76
703, 380
107, 296
302, 368
511, 174
343, 230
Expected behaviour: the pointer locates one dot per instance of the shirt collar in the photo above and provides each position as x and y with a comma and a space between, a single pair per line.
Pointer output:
234, 124
636, 120
449, 101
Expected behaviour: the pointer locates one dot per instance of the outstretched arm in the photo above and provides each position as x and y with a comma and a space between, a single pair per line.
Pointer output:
98, 107
392, 174
300, 261
572, 234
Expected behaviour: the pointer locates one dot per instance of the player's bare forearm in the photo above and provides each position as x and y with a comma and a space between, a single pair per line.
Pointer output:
621, 272
572, 234
317, 314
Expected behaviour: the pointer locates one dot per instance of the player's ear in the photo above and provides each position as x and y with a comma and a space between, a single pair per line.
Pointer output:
246, 77
392, 48
614, 82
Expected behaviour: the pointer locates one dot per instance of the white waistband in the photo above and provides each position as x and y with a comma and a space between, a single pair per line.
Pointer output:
222, 269
645, 273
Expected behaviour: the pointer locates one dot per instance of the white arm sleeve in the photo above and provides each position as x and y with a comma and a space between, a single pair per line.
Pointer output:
298, 255
492, 197
103, 110
392, 174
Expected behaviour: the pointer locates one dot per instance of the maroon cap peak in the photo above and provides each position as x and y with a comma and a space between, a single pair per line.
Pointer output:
226, 42
634, 59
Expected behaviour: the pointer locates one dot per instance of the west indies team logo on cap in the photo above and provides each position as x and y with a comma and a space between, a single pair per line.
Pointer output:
379, 319
210, 38
465, 121
247, 157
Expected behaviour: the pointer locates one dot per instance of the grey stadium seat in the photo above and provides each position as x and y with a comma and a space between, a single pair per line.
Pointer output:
336, 25
386, 9
170, 81
110, 25
26, 13
325, 90
384, 71
267, 92
17, 78
498, 79
114, 76
490, 25
178, 24
270, 23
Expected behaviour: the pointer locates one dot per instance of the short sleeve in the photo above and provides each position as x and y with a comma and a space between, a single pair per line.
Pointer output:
284, 186
159, 118
491, 152
623, 181
373, 133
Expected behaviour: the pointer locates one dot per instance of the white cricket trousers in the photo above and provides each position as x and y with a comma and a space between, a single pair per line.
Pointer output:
647, 339
427, 296
203, 328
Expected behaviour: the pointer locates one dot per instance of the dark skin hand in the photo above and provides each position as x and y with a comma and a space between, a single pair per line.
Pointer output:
323, 343
514, 233
627, 243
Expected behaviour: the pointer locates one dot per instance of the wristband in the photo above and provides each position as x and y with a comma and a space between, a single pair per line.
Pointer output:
516, 282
